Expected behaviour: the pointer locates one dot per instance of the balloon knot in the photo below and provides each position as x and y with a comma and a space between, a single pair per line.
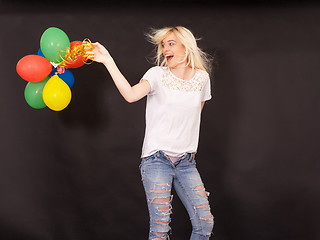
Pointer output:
60, 70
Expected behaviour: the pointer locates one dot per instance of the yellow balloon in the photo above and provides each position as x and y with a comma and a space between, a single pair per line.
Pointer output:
56, 94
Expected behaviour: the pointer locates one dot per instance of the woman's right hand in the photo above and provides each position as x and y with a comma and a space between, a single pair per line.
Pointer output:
100, 53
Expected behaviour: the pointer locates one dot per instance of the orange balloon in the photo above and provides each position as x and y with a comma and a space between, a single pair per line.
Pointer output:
79, 61
33, 68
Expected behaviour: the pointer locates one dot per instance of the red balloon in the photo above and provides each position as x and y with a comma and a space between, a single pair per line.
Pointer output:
33, 68
79, 60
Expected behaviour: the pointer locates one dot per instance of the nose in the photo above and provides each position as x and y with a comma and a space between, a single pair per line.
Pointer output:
164, 48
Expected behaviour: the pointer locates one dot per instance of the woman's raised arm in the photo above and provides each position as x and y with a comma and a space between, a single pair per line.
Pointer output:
130, 93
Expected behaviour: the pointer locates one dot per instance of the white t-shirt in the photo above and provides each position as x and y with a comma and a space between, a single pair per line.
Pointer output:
173, 111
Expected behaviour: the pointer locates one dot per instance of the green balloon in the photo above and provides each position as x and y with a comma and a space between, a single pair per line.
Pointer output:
52, 41
33, 93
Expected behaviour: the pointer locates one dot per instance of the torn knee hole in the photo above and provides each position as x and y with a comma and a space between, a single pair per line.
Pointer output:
162, 184
164, 209
160, 190
203, 205
200, 187
160, 200
158, 238
201, 190
209, 217
202, 193
161, 222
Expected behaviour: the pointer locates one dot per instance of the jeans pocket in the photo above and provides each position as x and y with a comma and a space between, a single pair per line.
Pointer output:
146, 160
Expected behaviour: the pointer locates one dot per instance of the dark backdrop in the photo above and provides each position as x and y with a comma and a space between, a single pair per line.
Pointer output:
73, 175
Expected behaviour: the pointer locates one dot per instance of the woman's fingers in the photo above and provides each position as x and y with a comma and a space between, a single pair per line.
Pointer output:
89, 52
99, 53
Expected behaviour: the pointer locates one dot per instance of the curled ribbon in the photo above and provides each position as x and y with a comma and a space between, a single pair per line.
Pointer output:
71, 54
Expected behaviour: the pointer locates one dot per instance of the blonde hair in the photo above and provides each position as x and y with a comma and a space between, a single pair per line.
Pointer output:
196, 58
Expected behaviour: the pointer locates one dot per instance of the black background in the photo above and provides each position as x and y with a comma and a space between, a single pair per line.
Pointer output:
73, 175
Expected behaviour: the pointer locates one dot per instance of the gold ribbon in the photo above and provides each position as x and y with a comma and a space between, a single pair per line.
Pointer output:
71, 54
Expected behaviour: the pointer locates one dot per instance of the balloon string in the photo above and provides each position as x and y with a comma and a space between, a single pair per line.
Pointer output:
71, 54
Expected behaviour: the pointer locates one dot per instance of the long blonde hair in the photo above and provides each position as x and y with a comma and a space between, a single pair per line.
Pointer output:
196, 58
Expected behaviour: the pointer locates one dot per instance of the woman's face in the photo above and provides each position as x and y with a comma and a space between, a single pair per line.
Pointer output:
173, 51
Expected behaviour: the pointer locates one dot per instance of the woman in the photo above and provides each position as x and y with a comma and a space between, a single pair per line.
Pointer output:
176, 91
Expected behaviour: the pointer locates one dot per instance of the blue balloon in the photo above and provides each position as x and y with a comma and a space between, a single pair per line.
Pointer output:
40, 53
67, 76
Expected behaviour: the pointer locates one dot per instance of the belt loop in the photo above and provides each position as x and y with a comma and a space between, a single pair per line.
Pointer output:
192, 157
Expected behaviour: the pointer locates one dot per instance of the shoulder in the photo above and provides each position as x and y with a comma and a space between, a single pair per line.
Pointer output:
154, 73
202, 76
203, 73
155, 69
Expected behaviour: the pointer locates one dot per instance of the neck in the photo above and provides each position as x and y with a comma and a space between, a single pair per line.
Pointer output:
184, 73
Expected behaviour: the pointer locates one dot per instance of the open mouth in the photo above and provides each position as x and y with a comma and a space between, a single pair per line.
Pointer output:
169, 57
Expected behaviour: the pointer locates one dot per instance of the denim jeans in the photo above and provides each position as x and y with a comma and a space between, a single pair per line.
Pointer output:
158, 174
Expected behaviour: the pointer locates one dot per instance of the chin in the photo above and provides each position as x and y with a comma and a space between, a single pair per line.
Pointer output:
171, 65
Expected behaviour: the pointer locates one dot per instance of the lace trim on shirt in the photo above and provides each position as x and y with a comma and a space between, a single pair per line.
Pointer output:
172, 82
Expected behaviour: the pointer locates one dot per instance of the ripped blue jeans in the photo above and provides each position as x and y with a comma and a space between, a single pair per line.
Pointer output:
158, 174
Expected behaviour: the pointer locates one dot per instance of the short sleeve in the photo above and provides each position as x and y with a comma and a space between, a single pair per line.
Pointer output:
206, 90
152, 76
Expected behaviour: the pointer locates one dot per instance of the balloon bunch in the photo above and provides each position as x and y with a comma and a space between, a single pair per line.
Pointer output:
49, 79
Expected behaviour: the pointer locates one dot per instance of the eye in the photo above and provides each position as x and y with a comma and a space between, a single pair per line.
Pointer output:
162, 45
172, 43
